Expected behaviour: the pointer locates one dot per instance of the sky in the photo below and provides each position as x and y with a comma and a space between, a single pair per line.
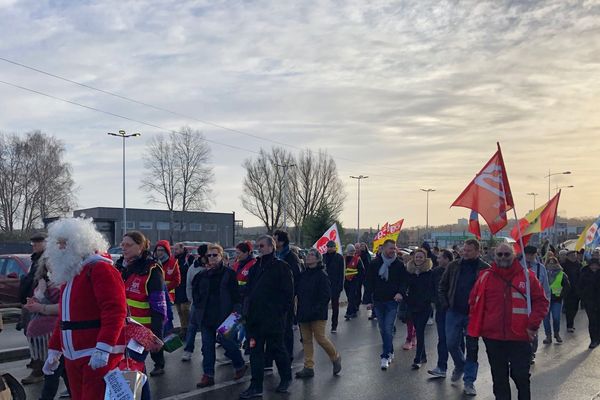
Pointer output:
414, 94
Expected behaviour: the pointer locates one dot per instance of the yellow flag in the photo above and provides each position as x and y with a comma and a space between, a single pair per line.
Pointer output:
581, 241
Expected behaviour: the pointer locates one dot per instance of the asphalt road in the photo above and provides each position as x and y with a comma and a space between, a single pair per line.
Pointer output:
568, 371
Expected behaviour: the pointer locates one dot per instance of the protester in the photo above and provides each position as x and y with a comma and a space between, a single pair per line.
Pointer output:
26, 284
455, 286
386, 281
589, 287
559, 286
354, 276
541, 274
572, 268
334, 265
43, 312
146, 298
182, 303
269, 298
198, 266
285, 253
365, 257
216, 295
419, 296
92, 307
498, 313
313, 304
244, 262
445, 257
172, 275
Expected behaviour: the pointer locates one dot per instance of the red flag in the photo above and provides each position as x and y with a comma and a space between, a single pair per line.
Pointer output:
536, 221
474, 227
489, 193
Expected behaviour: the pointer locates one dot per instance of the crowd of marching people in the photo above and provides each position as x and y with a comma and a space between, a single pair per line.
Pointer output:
80, 306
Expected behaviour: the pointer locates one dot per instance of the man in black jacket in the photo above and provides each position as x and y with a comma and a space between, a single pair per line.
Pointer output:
334, 265
268, 301
572, 268
386, 283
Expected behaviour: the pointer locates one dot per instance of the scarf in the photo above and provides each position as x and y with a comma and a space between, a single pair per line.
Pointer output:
384, 270
284, 252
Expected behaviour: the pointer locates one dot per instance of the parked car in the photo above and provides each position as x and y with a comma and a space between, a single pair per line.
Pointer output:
12, 268
115, 253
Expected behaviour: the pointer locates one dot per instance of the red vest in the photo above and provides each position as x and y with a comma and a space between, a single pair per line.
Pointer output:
352, 268
242, 273
136, 290
172, 276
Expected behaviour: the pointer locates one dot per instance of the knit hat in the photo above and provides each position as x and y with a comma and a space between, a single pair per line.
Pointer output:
331, 243
350, 249
316, 253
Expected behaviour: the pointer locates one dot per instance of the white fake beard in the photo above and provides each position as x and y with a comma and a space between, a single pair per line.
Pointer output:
65, 264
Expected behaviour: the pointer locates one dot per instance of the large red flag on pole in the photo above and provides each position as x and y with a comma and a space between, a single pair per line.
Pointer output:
489, 193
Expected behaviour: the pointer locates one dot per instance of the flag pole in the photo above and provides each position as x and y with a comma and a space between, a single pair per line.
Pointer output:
524, 264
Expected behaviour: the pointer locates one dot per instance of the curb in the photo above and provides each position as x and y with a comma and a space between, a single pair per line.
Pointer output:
16, 354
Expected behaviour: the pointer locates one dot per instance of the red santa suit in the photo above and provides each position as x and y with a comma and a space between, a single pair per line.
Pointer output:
91, 317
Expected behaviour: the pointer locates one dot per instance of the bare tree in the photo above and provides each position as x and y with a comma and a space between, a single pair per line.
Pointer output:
178, 173
314, 184
262, 194
35, 182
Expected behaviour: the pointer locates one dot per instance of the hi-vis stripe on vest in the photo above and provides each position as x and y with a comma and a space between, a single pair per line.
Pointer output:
136, 290
556, 286
352, 268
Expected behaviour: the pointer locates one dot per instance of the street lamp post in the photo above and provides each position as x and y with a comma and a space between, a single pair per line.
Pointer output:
358, 178
427, 191
285, 169
550, 174
123, 135
557, 188
534, 196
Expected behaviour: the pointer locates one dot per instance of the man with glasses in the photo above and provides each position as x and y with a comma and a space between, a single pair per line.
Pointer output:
454, 289
499, 314
268, 300
385, 286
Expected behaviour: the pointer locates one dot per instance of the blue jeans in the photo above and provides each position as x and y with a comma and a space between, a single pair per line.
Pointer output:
386, 317
554, 313
209, 341
456, 327
190, 337
442, 348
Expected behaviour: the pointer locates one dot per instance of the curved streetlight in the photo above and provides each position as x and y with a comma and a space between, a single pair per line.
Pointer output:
534, 196
124, 135
550, 174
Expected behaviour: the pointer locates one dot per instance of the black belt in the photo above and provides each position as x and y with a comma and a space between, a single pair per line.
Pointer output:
76, 325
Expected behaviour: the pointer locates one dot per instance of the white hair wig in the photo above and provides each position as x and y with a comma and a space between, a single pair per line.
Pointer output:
82, 241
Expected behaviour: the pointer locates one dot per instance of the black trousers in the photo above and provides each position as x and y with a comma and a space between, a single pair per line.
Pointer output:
51, 382
571, 308
509, 358
158, 358
352, 289
593, 314
271, 344
335, 310
288, 335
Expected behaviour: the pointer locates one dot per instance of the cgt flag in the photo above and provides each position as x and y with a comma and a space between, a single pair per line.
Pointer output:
387, 232
489, 193
474, 226
331, 234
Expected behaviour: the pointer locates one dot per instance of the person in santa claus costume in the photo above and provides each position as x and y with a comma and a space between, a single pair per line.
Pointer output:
92, 307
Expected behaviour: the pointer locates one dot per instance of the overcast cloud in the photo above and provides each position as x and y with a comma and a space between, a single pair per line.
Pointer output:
414, 94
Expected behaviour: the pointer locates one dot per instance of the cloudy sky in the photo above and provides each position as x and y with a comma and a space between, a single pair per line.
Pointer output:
414, 94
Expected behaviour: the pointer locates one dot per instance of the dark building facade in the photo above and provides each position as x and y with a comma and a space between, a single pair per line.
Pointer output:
157, 224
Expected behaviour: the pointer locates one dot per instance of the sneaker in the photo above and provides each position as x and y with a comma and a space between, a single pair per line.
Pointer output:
239, 373
206, 381
407, 345
337, 365
251, 393
283, 386
469, 389
437, 372
391, 358
157, 371
548, 340
456, 375
558, 339
385, 364
570, 330
416, 366
305, 373
187, 356
333, 330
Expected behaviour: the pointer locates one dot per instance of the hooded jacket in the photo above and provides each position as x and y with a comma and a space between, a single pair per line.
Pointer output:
314, 292
170, 268
421, 286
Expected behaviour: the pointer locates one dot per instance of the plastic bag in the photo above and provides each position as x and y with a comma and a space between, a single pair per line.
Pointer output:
124, 385
230, 326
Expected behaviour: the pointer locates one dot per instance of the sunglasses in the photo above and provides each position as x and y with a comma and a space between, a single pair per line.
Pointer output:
212, 255
505, 254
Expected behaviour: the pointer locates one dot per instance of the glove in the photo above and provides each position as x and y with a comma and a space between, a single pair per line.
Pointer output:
52, 362
98, 359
